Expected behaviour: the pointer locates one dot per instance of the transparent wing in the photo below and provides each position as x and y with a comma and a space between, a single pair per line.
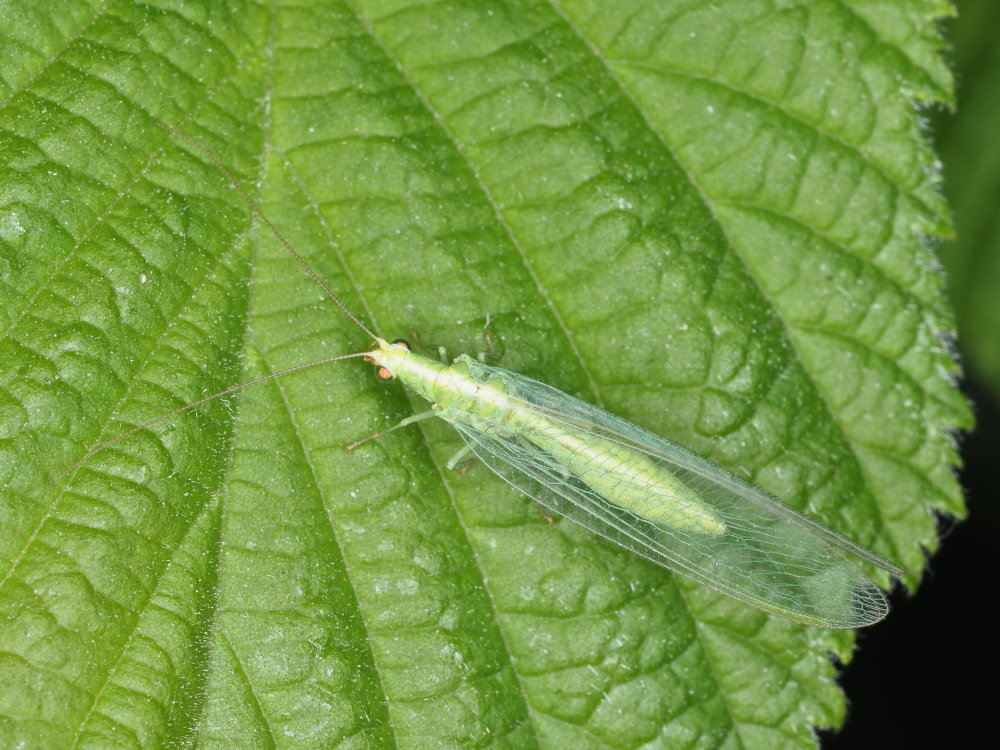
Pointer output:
769, 555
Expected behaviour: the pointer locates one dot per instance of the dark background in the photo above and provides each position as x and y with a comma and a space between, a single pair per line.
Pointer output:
926, 676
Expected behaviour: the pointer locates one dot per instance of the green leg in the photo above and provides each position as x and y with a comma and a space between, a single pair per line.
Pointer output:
458, 457
402, 423
414, 418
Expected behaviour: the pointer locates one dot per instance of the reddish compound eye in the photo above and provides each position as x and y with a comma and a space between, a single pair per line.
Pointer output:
384, 374
403, 343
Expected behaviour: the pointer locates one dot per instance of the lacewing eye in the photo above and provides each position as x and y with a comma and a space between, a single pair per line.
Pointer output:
384, 373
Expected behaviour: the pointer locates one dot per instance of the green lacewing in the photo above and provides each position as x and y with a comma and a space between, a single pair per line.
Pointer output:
622, 482
644, 492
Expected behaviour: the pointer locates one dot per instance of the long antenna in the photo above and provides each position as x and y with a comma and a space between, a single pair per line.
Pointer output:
232, 389
199, 402
267, 222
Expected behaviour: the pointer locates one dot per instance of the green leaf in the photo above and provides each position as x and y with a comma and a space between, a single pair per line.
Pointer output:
971, 152
709, 219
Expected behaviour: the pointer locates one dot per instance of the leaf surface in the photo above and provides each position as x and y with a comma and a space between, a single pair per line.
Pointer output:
708, 219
